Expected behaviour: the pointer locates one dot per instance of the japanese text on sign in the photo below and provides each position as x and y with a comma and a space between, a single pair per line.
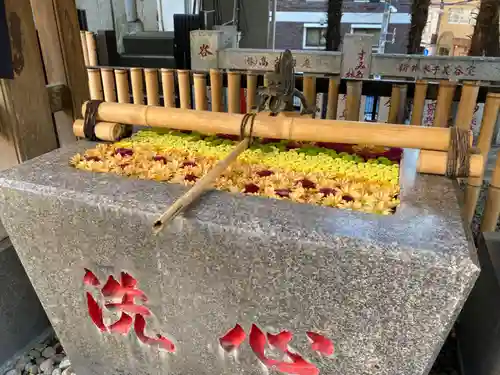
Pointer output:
446, 70
359, 70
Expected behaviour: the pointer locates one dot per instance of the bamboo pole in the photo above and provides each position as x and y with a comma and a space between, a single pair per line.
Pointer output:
233, 92
299, 128
467, 105
200, 91
121, 76
395, 104
333, 98
251, 90
419, 96
152, 90
105, 131
91, 48
492, 205
310, 90
474, 184
85, 49
184, 88
444, 102
95, 84
108, 83
435, 162
216, 88
137, 80
168, 86
353, 100
199, 187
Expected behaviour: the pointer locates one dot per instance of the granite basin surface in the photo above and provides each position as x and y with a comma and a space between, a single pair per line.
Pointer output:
385, 289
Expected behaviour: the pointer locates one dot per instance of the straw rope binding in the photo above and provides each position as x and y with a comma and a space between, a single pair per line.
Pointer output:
90, 119
459, 153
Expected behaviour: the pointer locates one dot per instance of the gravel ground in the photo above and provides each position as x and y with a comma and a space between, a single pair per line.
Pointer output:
46, 358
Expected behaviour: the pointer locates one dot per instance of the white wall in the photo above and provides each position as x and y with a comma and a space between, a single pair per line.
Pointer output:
99, 15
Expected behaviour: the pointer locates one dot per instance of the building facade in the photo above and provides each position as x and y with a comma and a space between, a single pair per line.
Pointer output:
301, 24
451, 28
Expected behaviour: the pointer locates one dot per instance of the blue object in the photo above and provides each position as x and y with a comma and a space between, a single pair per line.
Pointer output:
426, 52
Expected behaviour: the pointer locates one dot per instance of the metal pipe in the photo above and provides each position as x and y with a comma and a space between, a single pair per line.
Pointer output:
385, 26
273, 23
131, 10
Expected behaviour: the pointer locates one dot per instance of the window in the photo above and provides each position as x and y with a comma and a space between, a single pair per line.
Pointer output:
460, 16
368, 29
314, 37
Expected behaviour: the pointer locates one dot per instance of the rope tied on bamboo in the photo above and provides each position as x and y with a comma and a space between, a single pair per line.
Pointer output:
459, 153
90, 119
248, 119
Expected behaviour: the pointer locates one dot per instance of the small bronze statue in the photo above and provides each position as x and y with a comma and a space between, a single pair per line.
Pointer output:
278, 95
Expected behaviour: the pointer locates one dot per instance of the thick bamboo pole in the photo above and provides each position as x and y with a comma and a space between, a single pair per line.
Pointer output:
297, 128
467, 105
105, 131
200, 91
95, 84
168, 86
91, 48
309, 89
85, 49
353, 100
183, 77
444, 102
419, 102
108, 83
121, 76
136, 77
152, 90
216, 88
492, 206
435, 162
490, 114
333, 98
233, 92
251, 90
396, 96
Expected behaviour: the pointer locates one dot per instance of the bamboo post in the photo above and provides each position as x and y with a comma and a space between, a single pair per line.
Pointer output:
91, 48
108, 83
474, 184
310, 89
105, 131
444, 102
184, 88
333, 98
121, 76
353, 100
395, 104
152, 90
95, 84
435, 162
251, 90
299, 128
492, 205
137, 85
266, 80
200, 186
85, 49
233, 92
419, 102
216, 88
467, 105
168, 86
200, 91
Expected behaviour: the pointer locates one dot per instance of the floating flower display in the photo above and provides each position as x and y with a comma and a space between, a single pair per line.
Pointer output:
361, 178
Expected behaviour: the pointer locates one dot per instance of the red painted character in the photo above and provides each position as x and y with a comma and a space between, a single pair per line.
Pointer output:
205, 50
459, 70
295, 363
120, 297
